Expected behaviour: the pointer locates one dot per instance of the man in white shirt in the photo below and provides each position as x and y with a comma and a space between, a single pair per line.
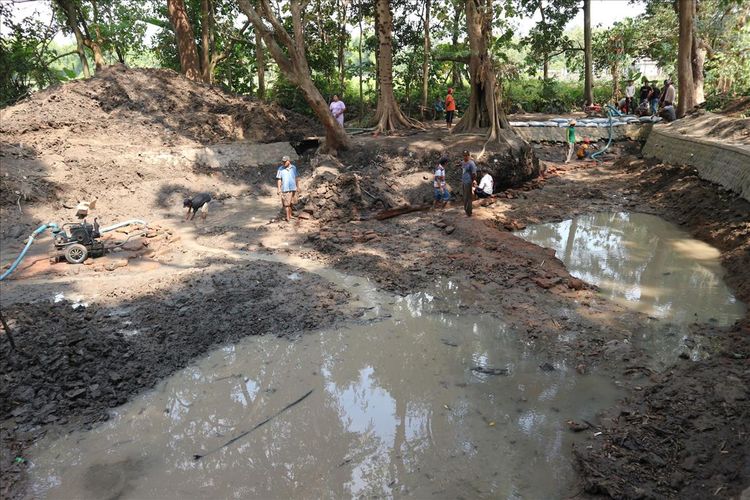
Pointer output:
629, 94
337, 109
486, 186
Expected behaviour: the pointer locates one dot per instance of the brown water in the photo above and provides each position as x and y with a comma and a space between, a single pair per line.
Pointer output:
395, 411
648, 265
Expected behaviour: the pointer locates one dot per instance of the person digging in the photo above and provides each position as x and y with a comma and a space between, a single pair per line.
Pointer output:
286, 186
198, 203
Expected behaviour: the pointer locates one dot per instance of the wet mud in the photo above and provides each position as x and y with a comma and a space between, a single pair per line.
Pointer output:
665, 439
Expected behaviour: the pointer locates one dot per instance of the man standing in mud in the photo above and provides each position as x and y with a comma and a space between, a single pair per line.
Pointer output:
468, 181
286, 185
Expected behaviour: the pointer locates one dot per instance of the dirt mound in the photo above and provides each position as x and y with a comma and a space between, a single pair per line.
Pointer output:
703, 125
146, 106
336, 192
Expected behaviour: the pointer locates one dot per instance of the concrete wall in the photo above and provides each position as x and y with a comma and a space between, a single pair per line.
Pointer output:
722, 164
557, 134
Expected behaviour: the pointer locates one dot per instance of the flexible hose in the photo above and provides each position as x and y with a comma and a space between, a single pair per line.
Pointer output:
610, 113
122, 224
21, 255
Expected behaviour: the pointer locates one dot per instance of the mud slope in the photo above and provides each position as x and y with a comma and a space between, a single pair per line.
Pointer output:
147, 107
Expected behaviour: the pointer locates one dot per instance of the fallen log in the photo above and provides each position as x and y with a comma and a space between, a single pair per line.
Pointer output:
395, 212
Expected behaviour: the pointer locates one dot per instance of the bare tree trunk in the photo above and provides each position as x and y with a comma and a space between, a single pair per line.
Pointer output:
545, 68
359, 50
686, 88
288, 50
616, 81
189, 64
388, 115
71, 17
588, 85
699, 50
260, 62
456, 68
205, 43
342, 45
426, 59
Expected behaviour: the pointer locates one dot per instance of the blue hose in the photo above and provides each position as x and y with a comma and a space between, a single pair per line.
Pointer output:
610, 113
21, 255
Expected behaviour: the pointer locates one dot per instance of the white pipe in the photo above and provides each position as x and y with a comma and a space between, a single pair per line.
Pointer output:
122, 224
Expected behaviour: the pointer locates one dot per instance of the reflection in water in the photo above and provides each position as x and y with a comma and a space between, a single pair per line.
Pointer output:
644, 263
395, 410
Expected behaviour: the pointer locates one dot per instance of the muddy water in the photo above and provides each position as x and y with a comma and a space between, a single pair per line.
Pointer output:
396, 409
645, 263
649, 265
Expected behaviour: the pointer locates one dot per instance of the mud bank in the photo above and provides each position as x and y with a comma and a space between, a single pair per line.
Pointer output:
75, 362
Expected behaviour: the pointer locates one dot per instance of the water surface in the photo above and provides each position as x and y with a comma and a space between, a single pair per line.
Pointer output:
396, 409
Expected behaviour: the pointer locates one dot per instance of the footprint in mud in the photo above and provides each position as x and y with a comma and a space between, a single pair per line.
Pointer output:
112, 481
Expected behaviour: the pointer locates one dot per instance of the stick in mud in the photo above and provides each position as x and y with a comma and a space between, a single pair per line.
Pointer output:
259, 424
7, 331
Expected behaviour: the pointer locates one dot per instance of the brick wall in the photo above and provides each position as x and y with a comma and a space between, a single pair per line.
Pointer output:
722, 164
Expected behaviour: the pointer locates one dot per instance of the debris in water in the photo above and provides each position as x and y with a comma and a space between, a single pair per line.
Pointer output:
259, 424
547, 367
490, 371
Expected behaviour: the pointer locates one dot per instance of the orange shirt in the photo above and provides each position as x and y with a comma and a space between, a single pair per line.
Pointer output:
450, 103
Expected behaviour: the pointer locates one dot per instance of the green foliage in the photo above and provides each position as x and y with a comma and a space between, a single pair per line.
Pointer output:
547, 38
552, 96
26, 57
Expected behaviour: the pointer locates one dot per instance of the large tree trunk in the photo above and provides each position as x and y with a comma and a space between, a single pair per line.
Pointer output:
388, 115
426, 59
686, 88
699, 50
344, 4
615, 69
292, 61
514, 160
456, 82
359, 50
189, 64
588, 85
206, 69
260, 62
484, 111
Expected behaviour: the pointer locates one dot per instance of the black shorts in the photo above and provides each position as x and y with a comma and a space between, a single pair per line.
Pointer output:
449, 116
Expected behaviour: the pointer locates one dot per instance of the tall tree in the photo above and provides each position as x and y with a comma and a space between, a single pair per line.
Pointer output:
388, 115
183, 30
484, 109
588, 85
547, 38
288, 50
686, 87
426, 57
260, 62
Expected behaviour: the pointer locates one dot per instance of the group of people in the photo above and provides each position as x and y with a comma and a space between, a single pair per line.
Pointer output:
469, 186
585, 149
652, 99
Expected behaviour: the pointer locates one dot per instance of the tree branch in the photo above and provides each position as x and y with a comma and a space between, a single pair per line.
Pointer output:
458, 59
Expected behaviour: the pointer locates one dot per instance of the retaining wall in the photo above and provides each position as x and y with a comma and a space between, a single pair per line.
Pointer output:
634, 132
722, 164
